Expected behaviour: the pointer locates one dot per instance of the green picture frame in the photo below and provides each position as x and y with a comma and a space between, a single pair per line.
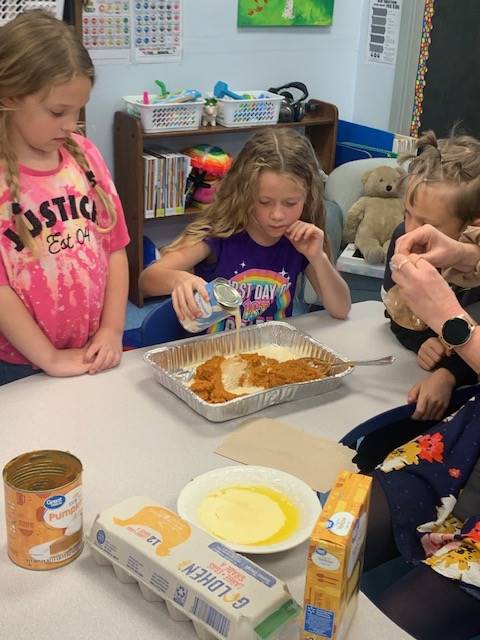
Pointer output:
285, 13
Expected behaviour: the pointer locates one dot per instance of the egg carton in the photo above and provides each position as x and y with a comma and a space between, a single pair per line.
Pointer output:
151, 595
224, 595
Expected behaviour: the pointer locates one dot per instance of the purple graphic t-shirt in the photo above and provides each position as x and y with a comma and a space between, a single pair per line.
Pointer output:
265, 276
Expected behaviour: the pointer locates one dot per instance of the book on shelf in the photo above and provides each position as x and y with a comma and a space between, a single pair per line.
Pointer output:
149, 172
166, 174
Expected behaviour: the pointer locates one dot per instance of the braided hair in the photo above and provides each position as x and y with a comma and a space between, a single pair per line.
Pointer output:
454, 161
37, 53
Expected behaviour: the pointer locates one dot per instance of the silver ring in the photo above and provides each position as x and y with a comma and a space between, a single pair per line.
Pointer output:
402, 263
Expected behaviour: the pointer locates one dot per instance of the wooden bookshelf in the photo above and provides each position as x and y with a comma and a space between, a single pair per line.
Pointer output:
130, 140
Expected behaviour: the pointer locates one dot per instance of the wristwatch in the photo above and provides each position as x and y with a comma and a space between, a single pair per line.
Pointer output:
456, 331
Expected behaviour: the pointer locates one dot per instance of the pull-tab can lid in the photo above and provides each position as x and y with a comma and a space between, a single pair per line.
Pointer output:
225, 294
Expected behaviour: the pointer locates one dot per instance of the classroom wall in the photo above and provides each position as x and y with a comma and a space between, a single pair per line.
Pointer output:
373, 84
328, 60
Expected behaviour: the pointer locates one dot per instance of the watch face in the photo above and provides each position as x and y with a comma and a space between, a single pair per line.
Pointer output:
456, 331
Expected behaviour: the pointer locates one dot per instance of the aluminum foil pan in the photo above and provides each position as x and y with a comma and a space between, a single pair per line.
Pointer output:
173, 365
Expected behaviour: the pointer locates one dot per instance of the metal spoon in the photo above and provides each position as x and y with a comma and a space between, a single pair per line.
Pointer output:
364, 363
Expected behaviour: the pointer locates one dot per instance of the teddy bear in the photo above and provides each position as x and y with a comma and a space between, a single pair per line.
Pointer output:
373, 217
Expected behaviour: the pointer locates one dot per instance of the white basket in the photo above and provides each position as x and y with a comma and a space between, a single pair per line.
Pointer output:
248, 112
165, 116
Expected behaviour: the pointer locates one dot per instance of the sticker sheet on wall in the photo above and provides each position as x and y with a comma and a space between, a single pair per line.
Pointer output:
136, 30
10, 8
157, 30
285, 13
106, 29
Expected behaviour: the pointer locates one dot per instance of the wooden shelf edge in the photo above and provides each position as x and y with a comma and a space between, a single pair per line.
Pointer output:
189, 213
308, 121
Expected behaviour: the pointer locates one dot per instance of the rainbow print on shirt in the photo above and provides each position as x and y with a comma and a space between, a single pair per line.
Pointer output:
266, 295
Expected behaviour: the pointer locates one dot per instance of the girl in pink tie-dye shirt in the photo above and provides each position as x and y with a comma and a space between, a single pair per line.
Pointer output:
63, 268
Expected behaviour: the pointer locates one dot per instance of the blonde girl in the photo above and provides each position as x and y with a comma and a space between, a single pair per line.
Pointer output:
441, 189
264, 228
63, 269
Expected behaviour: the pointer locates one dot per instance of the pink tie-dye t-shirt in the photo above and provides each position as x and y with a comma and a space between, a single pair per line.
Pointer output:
63, 286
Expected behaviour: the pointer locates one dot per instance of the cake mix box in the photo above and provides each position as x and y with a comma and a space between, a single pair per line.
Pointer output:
335, 559
224, 594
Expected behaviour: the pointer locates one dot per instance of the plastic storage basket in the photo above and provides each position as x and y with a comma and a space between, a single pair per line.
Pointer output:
262, 108
165, 116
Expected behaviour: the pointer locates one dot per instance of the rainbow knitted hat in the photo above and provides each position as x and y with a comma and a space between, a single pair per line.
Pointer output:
215, 161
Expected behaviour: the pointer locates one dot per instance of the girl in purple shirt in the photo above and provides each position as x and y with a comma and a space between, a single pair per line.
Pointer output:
264, 228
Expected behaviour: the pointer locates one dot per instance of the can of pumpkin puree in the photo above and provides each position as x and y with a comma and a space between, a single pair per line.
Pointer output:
43, 504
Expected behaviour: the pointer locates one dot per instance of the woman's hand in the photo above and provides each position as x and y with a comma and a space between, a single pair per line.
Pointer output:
424, 290
307, 238
433, 245
183, 295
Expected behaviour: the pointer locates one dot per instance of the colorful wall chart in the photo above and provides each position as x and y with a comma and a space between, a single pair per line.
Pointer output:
133, 30
285, 13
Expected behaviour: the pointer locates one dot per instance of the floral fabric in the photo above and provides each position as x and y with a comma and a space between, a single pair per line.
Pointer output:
422, 481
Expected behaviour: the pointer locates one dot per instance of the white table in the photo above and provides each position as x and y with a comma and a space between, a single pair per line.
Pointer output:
135, 438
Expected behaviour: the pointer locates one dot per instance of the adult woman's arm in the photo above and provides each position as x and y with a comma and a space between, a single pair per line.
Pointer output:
440, 250
430, 298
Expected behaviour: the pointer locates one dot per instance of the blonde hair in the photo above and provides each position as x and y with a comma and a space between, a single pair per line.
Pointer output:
282, 150
454, 161
38, 52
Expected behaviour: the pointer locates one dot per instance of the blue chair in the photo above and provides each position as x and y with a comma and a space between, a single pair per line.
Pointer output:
159, 325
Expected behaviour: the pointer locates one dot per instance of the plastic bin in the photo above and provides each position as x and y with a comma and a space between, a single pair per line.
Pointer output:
356, 141
263, 108
165, 116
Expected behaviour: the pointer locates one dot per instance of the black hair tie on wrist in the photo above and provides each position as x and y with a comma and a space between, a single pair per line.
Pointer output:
91, 178
16, 208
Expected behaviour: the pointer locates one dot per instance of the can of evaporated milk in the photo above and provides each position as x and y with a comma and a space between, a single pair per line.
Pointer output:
43, 504
224, 301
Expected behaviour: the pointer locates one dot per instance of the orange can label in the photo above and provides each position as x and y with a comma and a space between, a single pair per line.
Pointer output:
43, 502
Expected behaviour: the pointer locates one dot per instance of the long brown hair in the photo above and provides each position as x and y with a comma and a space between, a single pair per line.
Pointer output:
282, 150
454, 160
38, 52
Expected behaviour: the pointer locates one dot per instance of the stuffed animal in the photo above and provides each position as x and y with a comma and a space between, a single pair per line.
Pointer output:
371, 220
209, 115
